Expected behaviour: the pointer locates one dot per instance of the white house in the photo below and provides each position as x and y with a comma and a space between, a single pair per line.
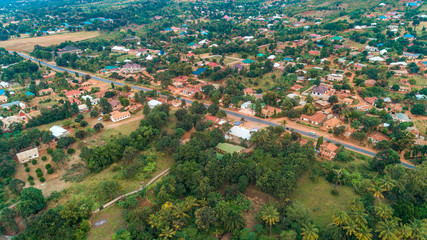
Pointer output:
153, 103
59, 132
26, 156
239, 132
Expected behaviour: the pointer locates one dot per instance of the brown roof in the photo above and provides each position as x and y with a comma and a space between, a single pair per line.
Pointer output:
317, 117
378, 136
117, 114
333, 122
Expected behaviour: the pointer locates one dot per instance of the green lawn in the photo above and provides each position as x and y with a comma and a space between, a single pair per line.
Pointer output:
124, 57
115, 221
317, 197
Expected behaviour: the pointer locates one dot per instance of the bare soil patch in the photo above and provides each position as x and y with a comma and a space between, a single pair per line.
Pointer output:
27, 44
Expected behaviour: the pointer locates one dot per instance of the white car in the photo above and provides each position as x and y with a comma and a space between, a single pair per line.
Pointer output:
312, 133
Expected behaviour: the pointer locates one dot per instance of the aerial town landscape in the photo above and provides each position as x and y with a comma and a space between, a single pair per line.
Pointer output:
213, 119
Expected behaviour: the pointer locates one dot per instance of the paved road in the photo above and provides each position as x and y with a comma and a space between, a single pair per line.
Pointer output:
239, 115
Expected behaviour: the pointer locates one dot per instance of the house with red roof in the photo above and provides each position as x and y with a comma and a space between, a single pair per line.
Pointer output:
73, 93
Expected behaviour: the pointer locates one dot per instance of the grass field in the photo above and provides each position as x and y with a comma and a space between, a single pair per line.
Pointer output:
115, 221
421, 125
317, 198
124, 57
27, 44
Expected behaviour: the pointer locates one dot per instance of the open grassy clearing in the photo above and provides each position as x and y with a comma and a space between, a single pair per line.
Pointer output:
317, 198
124, 57
115, 221
421, 125
27, 44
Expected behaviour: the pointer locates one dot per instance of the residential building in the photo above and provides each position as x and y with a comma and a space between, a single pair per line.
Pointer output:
118, 116
69, 49
27, 155
335, 77
59, 132
377, 137
153, 103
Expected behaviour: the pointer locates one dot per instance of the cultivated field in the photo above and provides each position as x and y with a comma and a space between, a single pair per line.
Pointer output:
27, 44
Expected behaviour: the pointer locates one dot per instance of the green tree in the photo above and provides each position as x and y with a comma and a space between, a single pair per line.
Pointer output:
269, 215
310, 232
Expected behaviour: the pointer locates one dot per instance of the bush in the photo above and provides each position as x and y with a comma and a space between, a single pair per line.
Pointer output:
27, 169
83, 123
47, 166
71, 151
31, 182
42, 179
39, 173
334, 191
34, 161
50, 171
30, 178
44, 158
49, 150
25, 164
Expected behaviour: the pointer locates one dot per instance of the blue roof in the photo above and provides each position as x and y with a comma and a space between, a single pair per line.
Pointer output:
191, 44
87, 23
288, 59
28, 93
184, 25
7, 105
237, 123
168, 29
319, 45
2, 92
382, 17
199, 71
162, 52
248, 61
379, 44
408, 36
260, 55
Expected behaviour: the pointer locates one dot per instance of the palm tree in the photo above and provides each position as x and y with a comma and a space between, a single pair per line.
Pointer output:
341, 218
233, 220
383, 211
351, 228
269, 215
388, 183
167, 233
309, 232
388, 229
377, 189
357, 205
419, 228
364, 233
359, 217
405, 231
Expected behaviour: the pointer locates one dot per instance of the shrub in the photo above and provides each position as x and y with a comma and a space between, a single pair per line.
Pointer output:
34, 161
49, 150
31, 182
334, 191
30, 178
25, 164
39, 174
71, 151
42, 179
47, 166
83, 123
50, 171
27, 169
44, 158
